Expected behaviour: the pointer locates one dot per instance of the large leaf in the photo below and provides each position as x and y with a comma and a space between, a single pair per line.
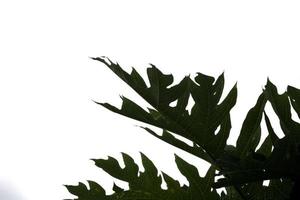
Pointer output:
286, 156
199, 126
275, 160
147, 184
237, 165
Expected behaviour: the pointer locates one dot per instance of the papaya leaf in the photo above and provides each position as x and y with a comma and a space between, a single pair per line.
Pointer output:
265, 163
206, 116
147, 184
282, 108
250, 133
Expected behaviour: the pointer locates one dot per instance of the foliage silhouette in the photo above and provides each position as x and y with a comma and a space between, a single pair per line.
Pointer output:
240, 169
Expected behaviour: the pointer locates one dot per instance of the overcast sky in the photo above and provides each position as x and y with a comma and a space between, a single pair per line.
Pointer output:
49, 126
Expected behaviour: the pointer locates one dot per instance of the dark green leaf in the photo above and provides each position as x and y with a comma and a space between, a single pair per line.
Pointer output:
206, 116
250, 133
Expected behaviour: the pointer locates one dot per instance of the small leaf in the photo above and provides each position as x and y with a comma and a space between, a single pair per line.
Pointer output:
250, 132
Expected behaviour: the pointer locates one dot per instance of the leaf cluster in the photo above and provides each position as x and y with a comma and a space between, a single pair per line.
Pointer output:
241, 169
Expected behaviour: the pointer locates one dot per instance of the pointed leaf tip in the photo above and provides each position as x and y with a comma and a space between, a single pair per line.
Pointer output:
235, 85
152, 65
105, 60
99, 103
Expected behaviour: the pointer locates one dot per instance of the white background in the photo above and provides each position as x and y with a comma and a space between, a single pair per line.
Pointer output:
49, 126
